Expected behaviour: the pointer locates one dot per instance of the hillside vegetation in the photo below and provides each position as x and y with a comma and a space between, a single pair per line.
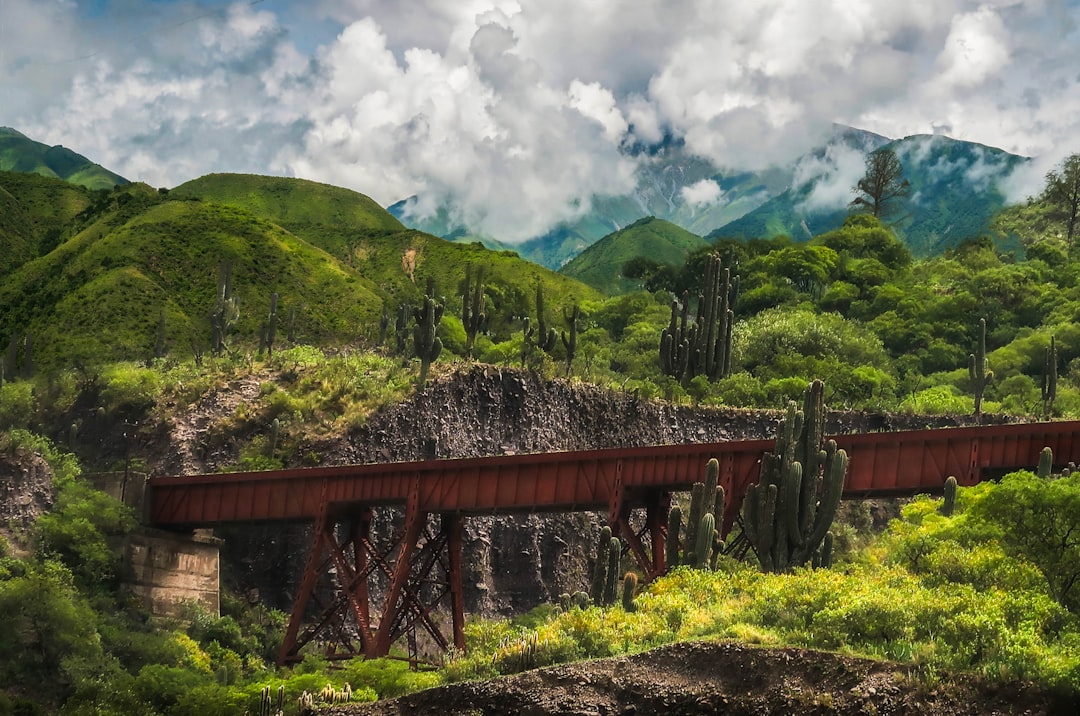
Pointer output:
123, 258
601, 265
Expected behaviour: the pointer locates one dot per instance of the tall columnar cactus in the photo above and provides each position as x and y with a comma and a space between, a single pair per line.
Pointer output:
271, 326
1046, 463
671, 543
159, 342
473, 313
426, 342
1049, 379
226, 309
789, 511
703, 550
600, 569
546, 337
570, 342
611, 584
675, 341
948, 505
702, 346
401, 327
629, 585
979, 369
702, 543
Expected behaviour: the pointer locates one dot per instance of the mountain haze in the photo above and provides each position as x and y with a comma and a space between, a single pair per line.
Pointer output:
954, 194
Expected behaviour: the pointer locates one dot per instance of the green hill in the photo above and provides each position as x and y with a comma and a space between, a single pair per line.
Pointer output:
124, 256
98, 296
334, 219
19, 153
37, 214
600, 265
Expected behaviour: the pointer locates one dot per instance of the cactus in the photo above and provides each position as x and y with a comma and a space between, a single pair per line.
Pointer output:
599, 576
611, 584
979, 369
546, 337
949, 504
693, 521
401, 327
671, 545
579, 600
822, 558
271, 326
384, 327
290, 334
789, 511
272, 439
426, 343
703, 346
473, 315
1046, 463
159, 342
629, 585
705, 538
226, 309
570, 343
1049, 379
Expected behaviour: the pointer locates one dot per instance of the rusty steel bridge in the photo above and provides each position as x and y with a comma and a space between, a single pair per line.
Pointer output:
421, 567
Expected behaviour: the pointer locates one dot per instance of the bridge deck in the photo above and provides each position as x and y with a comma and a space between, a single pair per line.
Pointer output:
893, 463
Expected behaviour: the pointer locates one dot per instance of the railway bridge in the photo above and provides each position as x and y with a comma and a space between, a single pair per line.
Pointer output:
421, 568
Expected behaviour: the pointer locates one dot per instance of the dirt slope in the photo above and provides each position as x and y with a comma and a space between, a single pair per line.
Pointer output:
709, 678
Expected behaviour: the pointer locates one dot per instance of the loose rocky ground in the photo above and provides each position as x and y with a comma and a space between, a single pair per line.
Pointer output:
708, 678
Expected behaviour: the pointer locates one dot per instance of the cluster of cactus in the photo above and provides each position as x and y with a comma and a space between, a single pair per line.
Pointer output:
473, 313
426, 342
570, 341
788, 513
226, 309
577, 600
605, 579
539, 336
702, 346
702, 544
267, 705
979, 368
1049, 379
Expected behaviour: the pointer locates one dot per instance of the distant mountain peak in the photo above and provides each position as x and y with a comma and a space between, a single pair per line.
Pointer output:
19, 153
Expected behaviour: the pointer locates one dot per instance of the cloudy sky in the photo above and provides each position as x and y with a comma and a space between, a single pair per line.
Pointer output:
515, 110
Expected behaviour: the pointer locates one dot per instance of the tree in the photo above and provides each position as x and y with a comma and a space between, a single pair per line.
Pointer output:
1063, 194
882, 185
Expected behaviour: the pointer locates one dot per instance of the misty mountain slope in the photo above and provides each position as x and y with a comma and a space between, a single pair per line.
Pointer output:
671, 184
19, 153
600, 265
954, 195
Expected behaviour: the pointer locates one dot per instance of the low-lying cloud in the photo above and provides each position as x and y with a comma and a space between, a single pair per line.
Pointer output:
513, 113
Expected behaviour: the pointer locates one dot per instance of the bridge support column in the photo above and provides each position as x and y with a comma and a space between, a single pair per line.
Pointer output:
650, 560
335, 603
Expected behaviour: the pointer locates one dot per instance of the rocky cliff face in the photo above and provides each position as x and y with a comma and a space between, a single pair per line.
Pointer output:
26, 491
